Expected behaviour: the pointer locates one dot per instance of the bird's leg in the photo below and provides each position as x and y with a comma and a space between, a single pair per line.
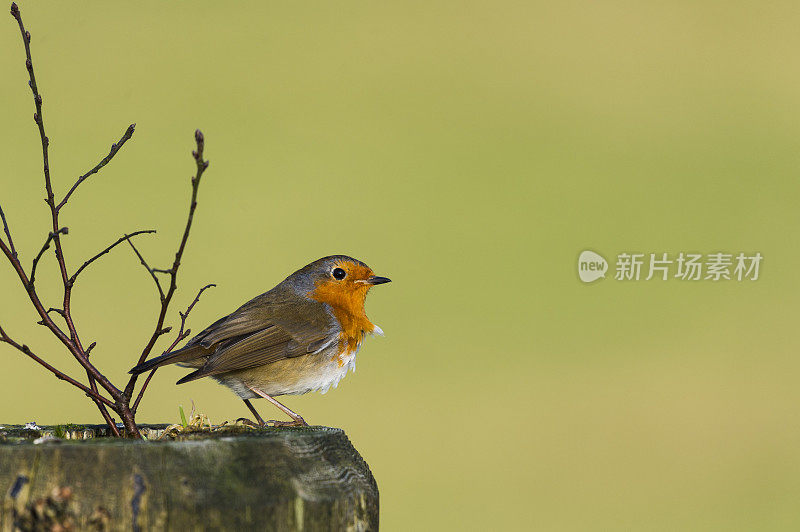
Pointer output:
255, 412
297, 420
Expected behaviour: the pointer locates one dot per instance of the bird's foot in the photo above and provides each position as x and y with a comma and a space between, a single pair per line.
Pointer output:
298, 422
250, 423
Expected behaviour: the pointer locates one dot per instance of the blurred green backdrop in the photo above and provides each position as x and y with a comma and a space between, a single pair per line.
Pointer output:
469, 151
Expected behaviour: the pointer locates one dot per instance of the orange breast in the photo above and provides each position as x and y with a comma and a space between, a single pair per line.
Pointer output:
347, 302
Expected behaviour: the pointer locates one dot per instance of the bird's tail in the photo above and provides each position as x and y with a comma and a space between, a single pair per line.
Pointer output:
181, 355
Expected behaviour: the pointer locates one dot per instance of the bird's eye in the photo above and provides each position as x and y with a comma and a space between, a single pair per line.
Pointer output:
338, 274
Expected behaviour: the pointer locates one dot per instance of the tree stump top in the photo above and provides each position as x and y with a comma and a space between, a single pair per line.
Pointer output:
285, 479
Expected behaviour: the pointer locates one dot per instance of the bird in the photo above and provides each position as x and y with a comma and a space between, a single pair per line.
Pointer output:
300, 336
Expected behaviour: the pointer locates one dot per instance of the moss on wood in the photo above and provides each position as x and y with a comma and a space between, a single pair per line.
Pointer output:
270, 479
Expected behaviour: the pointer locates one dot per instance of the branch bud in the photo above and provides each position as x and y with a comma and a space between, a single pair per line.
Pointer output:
28, 36
14, 10
198, 136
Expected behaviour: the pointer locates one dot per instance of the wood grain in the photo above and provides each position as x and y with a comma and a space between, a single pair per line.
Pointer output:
273, 479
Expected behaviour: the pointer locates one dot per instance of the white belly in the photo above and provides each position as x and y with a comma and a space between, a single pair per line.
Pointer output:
329, 375
292, 376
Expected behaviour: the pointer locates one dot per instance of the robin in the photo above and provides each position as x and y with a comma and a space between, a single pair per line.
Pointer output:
301, 336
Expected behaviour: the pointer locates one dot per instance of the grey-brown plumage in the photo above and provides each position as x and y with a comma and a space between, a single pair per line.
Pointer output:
300, 336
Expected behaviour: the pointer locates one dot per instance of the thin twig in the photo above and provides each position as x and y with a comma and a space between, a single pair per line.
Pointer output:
114, 149
202, 165
48, 321
149, 270
106, 250
182, 333
185, 315
56, 310
141, 392
120, 399
8, 232
25, 349
45, 247
37, 117
73, 342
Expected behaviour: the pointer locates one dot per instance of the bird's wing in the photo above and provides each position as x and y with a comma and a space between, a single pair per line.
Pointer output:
259, 349
294, 315
257, 335
233, 326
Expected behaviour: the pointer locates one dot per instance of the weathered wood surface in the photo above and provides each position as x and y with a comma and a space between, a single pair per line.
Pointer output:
272, 479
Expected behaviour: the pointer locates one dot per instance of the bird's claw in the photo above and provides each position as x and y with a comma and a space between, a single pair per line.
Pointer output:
248, 422
299, 422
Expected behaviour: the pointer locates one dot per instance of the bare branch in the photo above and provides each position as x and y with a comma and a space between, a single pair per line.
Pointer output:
120, 401
106, 250
51, 309
114, 149
73, 341
141, 392
26, 350
202, 165
38, 118
50, 324
185, 315
45, 247
149, 270
181, 335
8, 232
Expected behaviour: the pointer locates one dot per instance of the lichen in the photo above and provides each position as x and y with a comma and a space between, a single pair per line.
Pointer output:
199, 424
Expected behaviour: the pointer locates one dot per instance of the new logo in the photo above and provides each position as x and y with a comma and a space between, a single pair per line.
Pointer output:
591, 266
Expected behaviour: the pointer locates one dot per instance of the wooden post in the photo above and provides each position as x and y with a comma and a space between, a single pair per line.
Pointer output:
272, 479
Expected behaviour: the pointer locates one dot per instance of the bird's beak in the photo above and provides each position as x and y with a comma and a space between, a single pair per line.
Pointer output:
378, 280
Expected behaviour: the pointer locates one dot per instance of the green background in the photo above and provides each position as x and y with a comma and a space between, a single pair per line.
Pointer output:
470, 151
